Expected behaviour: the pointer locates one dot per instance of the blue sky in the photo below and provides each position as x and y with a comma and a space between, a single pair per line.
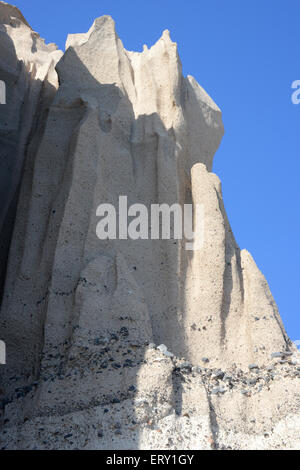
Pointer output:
246, 56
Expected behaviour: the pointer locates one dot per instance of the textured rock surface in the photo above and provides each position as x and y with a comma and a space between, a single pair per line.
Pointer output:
78, 313
27, 68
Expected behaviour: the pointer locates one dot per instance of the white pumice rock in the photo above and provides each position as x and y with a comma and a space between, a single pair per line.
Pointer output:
27, 67
162, 348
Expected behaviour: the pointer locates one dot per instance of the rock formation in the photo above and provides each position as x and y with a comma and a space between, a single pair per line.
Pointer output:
27, 69
81, 316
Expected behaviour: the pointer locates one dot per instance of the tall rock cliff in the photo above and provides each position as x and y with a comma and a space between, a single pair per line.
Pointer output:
81, 316
27, 69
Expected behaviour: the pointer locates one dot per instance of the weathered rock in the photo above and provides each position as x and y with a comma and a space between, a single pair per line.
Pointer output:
27, 69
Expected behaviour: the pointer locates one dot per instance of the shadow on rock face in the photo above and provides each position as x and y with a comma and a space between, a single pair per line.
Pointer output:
78, 329
9, 165
20, 117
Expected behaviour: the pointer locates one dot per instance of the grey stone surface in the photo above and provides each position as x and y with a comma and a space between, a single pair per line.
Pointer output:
27, 69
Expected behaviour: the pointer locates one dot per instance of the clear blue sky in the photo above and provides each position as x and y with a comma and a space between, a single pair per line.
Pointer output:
246, 55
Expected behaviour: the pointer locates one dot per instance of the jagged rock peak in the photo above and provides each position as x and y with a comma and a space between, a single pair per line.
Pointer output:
9, 13
151, 80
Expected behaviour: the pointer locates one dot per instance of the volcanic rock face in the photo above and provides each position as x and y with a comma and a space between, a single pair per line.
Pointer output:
27, 69
78, 313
